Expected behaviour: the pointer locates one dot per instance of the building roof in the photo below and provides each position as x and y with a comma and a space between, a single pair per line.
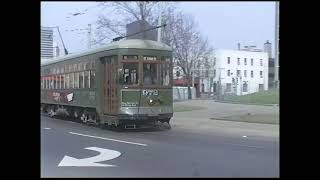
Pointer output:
242, 51
130, 43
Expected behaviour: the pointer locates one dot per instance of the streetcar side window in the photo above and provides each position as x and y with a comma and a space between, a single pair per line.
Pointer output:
46, 82
49, 83
164, 74
76, 80
81, 74
86, 79
62, 81
52, 82
129, 74
41, 82
60, 86
71, 79
67, 81
92, 79
56, 82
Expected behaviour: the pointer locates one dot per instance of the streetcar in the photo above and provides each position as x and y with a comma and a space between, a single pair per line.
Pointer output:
125, 84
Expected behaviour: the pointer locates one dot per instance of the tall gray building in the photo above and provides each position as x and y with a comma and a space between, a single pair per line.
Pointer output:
46, 43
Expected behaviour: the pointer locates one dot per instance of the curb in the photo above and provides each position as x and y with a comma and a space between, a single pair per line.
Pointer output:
224, 119
228, 102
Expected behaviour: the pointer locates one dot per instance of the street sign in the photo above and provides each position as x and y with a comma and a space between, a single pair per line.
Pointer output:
105, 154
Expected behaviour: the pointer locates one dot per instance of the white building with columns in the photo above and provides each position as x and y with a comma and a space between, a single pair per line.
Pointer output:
237, 72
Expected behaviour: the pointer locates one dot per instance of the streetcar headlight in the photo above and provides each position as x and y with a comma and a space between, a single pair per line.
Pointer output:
151, 102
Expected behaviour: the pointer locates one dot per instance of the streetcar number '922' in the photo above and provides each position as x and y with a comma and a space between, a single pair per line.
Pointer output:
150, 92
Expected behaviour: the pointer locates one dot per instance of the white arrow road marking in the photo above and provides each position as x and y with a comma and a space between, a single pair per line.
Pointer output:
105, 154
108, 139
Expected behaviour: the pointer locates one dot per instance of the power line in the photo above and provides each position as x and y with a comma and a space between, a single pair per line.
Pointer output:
79, 13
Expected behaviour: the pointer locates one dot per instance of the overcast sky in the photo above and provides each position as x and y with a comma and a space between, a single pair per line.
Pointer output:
224, 23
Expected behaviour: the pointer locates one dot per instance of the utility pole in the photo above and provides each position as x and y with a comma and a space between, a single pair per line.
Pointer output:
193, 68
159, 29
276, 58
220, 84
89, 36
208, 81
209, 86
241, 86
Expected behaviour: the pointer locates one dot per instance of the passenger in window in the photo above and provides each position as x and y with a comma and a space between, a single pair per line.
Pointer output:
147, 76
154, 74
127, 81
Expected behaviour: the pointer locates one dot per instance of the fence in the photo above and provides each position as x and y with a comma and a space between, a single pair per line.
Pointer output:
181, 93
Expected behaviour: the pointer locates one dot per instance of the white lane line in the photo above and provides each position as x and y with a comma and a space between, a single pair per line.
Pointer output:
244, 136
108, 139
46, 128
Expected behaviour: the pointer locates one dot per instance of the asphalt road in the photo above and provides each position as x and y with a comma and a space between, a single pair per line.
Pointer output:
153, 153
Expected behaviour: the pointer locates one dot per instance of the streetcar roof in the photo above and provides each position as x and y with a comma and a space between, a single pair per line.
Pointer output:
130, 43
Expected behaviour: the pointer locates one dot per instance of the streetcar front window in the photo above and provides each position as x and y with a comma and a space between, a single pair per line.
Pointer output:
157, 72
128, 74
165, 74
150, 74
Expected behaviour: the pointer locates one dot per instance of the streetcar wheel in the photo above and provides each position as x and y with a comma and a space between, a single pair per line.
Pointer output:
84, 118
75, 114
168, 125
51, 111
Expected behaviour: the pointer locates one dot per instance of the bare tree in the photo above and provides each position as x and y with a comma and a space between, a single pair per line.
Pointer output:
190, 49
111, 24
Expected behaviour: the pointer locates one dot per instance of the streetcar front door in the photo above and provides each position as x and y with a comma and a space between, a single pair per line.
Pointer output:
110, 85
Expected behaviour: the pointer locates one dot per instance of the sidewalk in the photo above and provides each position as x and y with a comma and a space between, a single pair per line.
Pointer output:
199, 120
221, 101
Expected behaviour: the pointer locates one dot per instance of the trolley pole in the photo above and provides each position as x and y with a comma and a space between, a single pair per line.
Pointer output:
65, 50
